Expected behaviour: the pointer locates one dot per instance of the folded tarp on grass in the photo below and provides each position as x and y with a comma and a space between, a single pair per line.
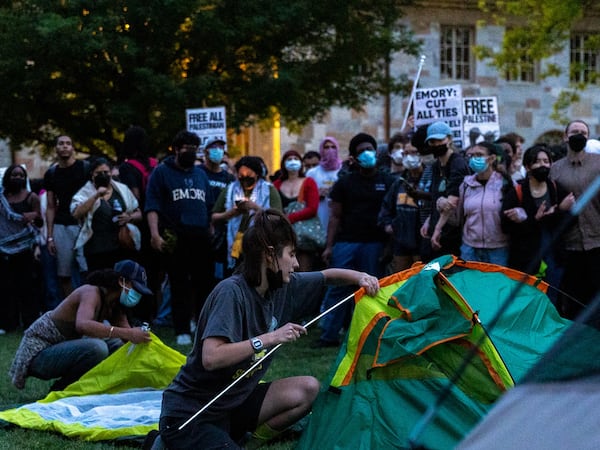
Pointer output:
120, 398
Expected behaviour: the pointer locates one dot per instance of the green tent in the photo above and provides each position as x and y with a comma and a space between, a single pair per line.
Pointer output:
405, 345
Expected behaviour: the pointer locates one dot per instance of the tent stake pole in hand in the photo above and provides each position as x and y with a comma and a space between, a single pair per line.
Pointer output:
258, 363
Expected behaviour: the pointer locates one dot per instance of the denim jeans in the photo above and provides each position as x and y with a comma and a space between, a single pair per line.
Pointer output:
69, 360
488, 255
361, 256
53, 294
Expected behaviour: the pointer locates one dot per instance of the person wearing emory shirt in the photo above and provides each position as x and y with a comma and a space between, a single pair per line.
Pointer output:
87, 326
178, 205
354, 239
245, 316
448, 172
574, 174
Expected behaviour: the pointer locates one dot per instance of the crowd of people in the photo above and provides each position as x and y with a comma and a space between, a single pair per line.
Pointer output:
138, 240
378, 211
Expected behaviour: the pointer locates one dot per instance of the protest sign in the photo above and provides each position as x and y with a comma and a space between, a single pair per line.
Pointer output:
207, 123
480, 119
441, 104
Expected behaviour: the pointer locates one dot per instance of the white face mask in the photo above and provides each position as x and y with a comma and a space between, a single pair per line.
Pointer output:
411, 161
397, 156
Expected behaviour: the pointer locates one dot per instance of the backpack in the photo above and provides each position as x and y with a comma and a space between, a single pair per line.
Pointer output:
143, 169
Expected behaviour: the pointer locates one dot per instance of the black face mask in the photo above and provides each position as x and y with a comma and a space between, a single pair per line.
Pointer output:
186, 159
247, 182
438, 150
15, 184
101, 180
540, 173
275, 279
577, 142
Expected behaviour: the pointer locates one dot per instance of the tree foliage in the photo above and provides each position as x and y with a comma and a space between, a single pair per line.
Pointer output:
536, 30
90, 68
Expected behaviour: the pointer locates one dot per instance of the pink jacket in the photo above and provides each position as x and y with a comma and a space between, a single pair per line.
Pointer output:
479, 209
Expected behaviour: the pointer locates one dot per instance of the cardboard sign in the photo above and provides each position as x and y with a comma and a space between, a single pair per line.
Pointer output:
207, 123
480, 120
441, 104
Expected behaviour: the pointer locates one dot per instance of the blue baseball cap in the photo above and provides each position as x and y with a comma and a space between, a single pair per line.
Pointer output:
438, 130
135, 273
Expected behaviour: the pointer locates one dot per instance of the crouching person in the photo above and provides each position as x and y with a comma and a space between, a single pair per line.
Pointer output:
83, 329
246, 315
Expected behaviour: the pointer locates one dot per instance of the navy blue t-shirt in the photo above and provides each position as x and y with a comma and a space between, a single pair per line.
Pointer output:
182, 198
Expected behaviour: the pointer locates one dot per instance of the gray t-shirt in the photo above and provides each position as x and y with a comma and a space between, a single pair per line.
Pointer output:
236, 312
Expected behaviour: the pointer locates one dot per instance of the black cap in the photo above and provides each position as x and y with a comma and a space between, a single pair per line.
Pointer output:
135, 273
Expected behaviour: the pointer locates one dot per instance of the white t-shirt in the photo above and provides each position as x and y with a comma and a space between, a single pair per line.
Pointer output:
325, 179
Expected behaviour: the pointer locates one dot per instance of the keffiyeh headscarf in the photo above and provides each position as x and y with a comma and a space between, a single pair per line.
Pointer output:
329, 157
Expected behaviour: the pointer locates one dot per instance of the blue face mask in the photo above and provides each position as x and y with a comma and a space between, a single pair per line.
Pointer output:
130, 297
367, 159
478, 164
293, 165
215, 154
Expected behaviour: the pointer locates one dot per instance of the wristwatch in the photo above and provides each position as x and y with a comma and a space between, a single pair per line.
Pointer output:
257, 344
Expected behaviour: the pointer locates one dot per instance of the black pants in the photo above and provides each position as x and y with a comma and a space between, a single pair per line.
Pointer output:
190, 270
581, 281
21, 301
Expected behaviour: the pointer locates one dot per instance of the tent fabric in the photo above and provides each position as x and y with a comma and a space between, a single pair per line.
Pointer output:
405, 345
119, 398
556, 405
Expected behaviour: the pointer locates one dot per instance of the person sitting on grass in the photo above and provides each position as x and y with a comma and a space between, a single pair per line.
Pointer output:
83, 329
246, 315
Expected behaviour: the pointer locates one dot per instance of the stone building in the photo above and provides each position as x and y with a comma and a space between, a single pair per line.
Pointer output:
449, 30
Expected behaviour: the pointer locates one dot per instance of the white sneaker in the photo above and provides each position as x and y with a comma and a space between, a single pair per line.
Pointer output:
184, 339
2, 331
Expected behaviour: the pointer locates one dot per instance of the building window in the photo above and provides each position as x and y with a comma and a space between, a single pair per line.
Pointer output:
524, 68
456, 61
585, 58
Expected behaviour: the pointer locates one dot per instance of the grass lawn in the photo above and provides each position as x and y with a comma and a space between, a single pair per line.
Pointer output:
292, 359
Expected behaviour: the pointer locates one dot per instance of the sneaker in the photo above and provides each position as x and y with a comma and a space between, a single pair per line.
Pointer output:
184, 339
2, 331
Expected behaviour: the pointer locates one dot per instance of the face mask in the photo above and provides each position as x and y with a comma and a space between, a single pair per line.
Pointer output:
397, 157
411, 161
478, 164
247, 182
15, 184
577, 142
275, 279
367, 159
216, 154
101, 180
186, 159
129, 297
540, 173
438, 150
293, 165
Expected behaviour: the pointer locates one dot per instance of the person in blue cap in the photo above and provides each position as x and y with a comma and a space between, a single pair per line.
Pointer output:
449, 170
87, 326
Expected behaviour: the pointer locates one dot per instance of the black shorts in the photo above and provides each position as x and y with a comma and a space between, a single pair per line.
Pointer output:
222, 433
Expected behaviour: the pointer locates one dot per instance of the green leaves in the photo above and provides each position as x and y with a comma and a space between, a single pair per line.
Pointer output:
90, 69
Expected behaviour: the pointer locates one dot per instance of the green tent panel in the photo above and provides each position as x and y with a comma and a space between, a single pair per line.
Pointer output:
406, 343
